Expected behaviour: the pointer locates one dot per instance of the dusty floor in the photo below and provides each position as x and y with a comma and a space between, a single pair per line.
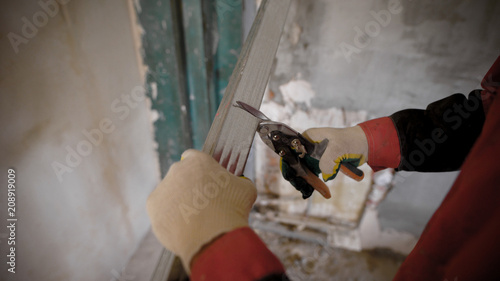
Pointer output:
311, 261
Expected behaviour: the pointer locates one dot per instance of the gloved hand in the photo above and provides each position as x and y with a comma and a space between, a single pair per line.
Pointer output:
197, 201
345, 145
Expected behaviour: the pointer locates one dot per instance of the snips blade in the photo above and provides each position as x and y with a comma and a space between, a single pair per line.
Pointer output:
252, 110
263, 128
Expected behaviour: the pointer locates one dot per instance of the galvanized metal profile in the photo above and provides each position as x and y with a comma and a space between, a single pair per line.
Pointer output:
232, 131
231, 134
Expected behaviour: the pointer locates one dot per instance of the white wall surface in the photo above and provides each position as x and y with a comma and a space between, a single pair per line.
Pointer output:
78, 71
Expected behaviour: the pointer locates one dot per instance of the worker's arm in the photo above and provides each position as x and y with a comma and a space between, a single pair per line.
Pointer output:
432, 140
200, 212
237, 255
440, 137
436, 139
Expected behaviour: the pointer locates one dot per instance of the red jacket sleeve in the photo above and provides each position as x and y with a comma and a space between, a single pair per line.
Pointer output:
436, 139
237, 255
383, 143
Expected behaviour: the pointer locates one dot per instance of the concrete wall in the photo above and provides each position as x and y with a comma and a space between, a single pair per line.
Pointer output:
386, 55
76, 129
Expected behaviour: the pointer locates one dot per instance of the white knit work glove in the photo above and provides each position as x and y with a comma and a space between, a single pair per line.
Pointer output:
197, 201
345, 144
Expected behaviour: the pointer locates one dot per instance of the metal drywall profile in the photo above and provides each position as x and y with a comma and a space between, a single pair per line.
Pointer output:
232, 131
231, 134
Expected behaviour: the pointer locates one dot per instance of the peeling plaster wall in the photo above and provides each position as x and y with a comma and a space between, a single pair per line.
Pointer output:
386, 55
78, 73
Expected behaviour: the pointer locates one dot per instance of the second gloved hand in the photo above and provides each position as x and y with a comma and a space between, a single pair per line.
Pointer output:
197, 201
345, 145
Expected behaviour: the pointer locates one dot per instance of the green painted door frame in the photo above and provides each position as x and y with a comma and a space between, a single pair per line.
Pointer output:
190, 48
